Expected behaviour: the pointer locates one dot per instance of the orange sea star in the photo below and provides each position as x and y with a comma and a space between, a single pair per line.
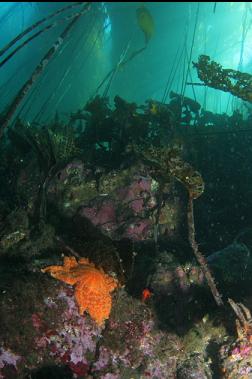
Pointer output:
93, 287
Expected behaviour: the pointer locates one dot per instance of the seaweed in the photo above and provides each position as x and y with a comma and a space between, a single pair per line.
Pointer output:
228, 80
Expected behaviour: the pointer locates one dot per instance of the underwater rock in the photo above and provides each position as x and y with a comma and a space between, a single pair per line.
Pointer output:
237, 361
237, 356
51, 371
120, 204
238, 249
16, 229
123, 213
48, 331
7, 359
163, 279
170, 277
194, 368
132, 341
172, 272
48, 328
11, 239
70, 187
74, 341
28, 183
23, 243
233, 264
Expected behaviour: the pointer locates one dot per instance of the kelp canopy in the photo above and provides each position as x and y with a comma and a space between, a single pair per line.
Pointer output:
228, 80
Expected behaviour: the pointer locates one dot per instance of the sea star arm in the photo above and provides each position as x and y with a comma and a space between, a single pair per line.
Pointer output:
64, 273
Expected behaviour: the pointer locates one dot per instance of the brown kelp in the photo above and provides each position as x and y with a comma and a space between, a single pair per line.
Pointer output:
52, 146
167, 163
228, 80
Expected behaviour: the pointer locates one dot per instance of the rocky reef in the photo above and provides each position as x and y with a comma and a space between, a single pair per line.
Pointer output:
127, 191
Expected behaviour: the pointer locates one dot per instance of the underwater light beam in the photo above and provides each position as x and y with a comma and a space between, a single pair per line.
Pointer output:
39, 69
8, 11
191, 50
45, 29
32, 27
77, 48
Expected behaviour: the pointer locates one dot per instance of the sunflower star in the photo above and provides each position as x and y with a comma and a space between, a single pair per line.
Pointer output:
93, 286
